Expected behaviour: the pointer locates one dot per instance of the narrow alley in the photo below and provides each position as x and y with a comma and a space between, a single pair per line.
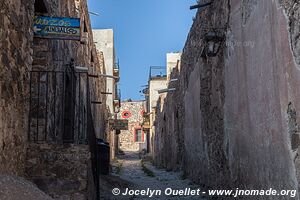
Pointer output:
149, 99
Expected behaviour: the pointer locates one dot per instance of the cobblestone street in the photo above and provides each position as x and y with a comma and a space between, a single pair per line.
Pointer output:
132, 171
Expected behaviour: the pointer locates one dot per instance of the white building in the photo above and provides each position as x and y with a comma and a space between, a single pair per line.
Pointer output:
104, 41
159, 80
173, 60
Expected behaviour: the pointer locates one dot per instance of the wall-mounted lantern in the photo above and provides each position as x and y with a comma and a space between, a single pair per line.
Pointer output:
213, 42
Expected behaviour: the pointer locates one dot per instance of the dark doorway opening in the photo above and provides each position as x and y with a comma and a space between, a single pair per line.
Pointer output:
40, 7
148, 141
70, 91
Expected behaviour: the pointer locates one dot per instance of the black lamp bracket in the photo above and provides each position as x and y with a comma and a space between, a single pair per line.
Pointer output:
201, 5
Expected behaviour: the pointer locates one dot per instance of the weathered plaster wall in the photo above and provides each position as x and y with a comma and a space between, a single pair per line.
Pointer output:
126, 138
239, 109
260, 82
15, 61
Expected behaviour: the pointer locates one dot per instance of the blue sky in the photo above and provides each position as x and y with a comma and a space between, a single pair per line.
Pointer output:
145, 30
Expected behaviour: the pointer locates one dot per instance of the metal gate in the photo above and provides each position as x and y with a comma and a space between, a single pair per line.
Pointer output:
58, 106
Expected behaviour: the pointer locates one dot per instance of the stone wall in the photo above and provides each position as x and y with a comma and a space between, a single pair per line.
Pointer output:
61, 171
127, 137
237, 113
15, 61
20, 53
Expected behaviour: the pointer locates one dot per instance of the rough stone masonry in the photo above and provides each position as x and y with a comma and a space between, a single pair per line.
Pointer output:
15, 61
133, 112
237, 113
59, 167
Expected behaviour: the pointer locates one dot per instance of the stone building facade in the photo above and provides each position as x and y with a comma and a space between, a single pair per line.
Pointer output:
52, 106
15, 61
232, 121
133, 139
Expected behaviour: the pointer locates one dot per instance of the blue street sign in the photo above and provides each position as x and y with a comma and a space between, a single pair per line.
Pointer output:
57, 27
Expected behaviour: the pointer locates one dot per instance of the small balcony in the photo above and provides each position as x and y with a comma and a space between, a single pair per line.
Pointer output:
157, 72
146, 121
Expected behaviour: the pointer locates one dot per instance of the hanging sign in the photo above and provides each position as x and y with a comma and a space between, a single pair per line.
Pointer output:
57, 27
119, 124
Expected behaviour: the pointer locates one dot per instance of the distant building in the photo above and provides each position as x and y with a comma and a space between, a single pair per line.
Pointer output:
159, 78
135, 138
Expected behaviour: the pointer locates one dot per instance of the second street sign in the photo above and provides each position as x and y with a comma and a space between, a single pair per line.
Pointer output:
57, 27
119, 124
